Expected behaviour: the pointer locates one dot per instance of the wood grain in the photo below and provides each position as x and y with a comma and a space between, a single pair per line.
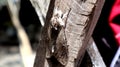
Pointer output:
80, 25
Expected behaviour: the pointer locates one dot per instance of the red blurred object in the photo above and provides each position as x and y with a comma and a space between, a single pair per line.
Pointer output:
115, 27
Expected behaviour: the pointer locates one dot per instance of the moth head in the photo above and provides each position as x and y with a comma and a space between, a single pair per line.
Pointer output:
57, 13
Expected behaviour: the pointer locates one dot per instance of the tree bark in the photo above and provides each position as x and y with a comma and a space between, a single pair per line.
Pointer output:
65, 46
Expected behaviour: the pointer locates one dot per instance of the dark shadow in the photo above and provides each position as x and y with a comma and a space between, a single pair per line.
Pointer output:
116, 20
53, 62
86, 62
8, 35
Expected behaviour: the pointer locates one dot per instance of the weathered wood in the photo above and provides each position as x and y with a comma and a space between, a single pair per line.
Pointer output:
44, 40
90, 27
94, 54
69, 43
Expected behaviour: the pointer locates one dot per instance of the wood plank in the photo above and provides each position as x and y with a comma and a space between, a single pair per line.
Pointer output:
69, 41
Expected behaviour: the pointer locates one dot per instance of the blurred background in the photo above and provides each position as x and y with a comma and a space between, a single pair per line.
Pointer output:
10, 40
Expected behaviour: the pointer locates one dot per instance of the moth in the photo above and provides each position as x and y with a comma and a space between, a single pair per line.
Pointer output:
60, 48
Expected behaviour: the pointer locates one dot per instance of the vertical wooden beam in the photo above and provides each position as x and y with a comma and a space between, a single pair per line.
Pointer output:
80, 23
44, 40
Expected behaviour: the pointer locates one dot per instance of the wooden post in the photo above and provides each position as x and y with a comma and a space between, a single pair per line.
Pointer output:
66, 43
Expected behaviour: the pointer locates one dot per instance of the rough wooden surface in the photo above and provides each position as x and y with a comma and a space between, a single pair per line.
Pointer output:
79, 26
90, 27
